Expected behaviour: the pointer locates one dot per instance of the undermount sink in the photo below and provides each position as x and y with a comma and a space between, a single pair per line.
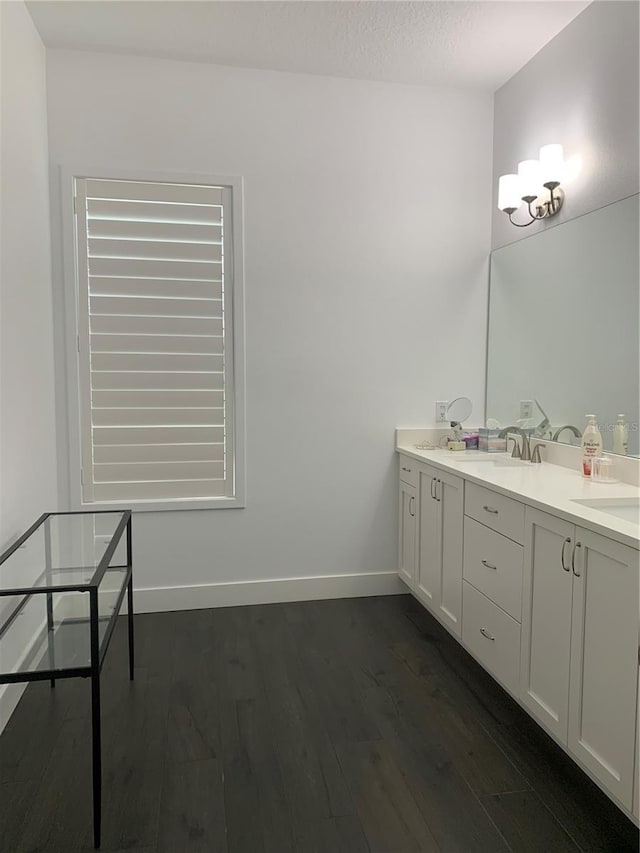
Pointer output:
496, 459
628, 509
472, 456
510, 462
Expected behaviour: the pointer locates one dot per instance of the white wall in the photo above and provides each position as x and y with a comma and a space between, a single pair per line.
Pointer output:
367, 236
28, 484
580, 90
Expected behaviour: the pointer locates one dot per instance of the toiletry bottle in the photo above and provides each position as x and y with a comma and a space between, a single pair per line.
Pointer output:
591, 445
621, 437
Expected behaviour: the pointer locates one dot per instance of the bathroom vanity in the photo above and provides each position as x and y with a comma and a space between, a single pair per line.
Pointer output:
535, 571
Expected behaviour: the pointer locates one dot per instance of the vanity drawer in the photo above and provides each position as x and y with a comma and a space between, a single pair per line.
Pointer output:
409, 471
493, 564
496, 511
492, 637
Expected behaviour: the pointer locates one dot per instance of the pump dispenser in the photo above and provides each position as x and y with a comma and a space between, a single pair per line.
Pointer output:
591, 445
621, 436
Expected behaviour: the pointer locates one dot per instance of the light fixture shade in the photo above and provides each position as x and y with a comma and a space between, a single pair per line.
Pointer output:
551, 164
509, 195
529, 176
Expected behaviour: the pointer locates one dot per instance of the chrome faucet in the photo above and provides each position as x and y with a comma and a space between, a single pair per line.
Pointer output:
561, 429
535, 453
525, 453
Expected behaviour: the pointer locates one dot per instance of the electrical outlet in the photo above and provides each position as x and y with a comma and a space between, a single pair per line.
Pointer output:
441, 411
526, 409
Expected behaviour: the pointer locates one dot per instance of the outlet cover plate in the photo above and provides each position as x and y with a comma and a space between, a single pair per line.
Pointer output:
441, 411
526, 409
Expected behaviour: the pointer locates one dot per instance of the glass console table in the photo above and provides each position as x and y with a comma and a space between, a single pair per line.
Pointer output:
62, 585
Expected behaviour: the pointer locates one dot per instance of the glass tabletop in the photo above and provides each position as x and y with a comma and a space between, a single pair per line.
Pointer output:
64, 550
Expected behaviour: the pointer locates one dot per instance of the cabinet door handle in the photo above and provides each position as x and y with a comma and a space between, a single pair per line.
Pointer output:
487, 635
566, 542
489, 566
411, 501
573, 559
433, 483
490, 509
438, 483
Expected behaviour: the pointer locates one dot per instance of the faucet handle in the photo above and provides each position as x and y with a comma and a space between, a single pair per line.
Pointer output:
515, 453
535, 454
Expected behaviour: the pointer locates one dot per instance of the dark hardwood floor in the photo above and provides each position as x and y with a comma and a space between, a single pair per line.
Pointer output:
318, 727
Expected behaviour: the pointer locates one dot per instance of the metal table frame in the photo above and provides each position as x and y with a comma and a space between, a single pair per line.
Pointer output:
98, 650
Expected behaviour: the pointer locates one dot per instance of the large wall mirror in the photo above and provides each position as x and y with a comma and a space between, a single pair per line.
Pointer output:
563, 325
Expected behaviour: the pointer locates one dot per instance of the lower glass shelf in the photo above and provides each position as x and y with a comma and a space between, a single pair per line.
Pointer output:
29, 647
66, 647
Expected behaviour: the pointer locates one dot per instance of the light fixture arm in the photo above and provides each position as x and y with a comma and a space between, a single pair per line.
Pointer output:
545, 210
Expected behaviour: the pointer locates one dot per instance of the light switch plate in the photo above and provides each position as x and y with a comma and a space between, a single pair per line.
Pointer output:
441, 411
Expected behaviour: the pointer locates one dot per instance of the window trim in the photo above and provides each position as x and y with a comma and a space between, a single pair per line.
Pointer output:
72, 447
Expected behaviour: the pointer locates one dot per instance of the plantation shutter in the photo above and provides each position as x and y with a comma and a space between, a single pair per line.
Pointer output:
154, 305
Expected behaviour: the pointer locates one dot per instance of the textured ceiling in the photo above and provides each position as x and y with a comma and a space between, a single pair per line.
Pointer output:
471, 44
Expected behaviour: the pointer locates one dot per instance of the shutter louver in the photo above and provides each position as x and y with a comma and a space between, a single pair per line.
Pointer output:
153, 350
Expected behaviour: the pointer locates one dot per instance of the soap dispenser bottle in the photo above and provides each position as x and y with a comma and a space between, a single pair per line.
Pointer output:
621, 437
591, 445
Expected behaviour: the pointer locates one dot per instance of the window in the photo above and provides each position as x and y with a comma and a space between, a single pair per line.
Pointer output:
156, 303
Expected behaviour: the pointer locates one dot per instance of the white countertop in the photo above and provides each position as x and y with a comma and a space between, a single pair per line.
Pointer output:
547, 487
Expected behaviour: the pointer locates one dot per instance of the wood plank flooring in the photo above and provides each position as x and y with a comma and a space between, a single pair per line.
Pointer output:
347, 726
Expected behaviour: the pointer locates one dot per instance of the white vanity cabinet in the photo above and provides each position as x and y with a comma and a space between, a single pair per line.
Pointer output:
579, 650
439, 579
408, 521
548, 606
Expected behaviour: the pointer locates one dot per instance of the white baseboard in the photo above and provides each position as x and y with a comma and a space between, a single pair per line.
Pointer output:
10, 695
233, 594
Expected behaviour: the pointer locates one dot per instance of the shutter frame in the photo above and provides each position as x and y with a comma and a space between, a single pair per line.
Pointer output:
93, 489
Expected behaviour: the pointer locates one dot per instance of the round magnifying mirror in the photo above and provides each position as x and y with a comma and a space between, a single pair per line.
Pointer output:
459, 410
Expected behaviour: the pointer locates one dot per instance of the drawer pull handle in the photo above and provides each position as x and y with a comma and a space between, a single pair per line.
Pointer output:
489, 566
408, 470
487, 635
490, 509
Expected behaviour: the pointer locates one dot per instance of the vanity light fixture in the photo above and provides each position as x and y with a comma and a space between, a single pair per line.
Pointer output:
537, 184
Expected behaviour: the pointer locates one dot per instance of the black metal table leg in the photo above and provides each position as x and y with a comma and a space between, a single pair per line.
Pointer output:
130, 620
95, 720
47, 567
50, 642
130, 595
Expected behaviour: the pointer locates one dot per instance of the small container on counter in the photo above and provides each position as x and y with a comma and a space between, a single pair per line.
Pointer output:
489, 440
471, 440
602, 470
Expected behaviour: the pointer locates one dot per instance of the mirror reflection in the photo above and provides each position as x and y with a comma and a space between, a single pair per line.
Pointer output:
563, 329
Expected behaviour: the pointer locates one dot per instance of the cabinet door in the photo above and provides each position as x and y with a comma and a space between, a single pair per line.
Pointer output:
450, 499
407, 534
636, 773
604, 661
428, 587
546, 620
